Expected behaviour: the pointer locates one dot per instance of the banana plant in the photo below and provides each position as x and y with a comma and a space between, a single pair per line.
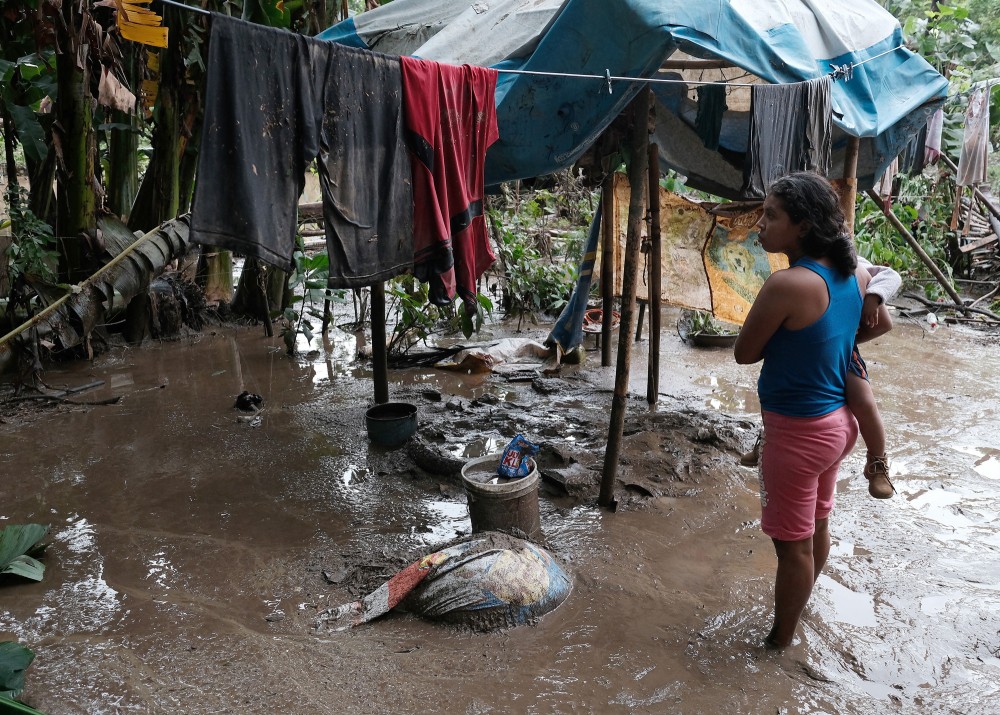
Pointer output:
17, 544
14, 661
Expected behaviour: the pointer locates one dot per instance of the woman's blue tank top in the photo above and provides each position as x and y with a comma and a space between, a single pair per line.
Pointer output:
805, 371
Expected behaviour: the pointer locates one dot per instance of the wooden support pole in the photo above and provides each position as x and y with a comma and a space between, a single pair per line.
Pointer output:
917, 248
607, 266
380, 361
849, 187
638, 160
655, 273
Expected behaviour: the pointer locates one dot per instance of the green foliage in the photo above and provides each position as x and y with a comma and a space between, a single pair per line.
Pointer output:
19, 543
924, 207
531, 284
27, 79
14, 661
417, 318
540, 235
308, 285
703, 322
32, 253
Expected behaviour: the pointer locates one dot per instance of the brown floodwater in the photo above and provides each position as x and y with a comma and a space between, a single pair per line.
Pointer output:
192, 546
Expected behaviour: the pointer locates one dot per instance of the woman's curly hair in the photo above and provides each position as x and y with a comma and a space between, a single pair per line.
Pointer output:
809, 197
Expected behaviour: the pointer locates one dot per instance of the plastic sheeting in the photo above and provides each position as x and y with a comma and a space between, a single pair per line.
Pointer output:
546, 123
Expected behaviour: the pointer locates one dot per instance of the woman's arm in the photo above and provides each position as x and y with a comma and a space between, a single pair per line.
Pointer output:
768, 312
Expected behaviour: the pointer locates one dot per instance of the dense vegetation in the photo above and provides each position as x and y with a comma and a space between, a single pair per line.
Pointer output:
81, 160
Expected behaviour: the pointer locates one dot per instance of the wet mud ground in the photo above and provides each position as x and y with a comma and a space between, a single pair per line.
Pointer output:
193, 548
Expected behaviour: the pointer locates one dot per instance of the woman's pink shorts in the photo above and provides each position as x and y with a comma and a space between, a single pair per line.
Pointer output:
799, 460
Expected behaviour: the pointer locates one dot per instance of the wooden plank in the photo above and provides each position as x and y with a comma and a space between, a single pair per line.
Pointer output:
978, 244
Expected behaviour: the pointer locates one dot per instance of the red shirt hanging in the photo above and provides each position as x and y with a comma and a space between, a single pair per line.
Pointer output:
450, 114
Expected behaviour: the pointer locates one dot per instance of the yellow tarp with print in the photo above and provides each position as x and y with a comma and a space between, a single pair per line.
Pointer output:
710, 262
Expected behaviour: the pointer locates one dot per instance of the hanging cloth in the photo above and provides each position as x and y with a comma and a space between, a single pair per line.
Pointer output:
711, 107
932, 146
451, 120
276, 100
364, 167
259, 134
975, 144
790, 130
568, 329
883, 187
913, 156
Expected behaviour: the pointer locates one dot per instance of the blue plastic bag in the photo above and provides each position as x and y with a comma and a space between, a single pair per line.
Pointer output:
515, 460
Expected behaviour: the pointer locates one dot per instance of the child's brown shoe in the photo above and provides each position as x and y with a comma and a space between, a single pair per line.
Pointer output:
877, 474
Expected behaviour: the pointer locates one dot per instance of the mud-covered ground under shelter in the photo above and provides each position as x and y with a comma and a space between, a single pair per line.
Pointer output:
193, 547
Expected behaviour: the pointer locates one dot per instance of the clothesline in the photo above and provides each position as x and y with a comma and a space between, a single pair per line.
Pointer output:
845, 71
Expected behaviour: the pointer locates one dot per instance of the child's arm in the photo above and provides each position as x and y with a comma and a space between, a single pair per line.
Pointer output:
881, 325
883, 285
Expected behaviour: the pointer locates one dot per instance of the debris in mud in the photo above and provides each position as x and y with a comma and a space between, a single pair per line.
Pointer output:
249, 401
486, 581
433, 460
549, 385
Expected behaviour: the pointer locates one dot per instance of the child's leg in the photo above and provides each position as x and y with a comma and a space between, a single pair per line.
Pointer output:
861, 401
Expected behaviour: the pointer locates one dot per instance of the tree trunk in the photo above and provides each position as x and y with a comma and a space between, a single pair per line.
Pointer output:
279, 296
158, 199
42, 198
251, 297
77, 199
215, 276
123, 148
123, 157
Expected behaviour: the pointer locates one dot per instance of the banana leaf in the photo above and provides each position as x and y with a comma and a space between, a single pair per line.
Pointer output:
14, 660
126, 275
16, 542
13, 707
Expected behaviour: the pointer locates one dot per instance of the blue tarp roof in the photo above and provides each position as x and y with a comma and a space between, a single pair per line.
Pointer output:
547, 123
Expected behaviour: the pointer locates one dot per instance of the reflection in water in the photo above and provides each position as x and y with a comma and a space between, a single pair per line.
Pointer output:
856, 609
444, 520
726, 396
479, 447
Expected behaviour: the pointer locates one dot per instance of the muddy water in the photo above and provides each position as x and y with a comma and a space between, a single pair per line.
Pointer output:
192, 548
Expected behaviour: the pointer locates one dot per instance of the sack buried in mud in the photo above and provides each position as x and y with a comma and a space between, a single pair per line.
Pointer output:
515, 462
491, 580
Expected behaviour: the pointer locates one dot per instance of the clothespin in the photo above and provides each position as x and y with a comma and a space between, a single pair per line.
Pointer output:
607, 76
845, 71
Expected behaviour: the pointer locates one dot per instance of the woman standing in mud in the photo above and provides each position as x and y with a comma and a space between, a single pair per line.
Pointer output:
803, 325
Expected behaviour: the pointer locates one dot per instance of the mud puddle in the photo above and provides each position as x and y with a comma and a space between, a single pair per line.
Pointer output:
191, 547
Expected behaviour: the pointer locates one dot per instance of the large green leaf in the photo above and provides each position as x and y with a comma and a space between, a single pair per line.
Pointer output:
17, 540
13, 707
29, 132
14, 660
27, 567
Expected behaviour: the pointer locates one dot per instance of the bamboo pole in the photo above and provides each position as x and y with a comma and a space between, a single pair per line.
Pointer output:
607, 266
380, 360
655, 273
918, 249
637, 173
849, 189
